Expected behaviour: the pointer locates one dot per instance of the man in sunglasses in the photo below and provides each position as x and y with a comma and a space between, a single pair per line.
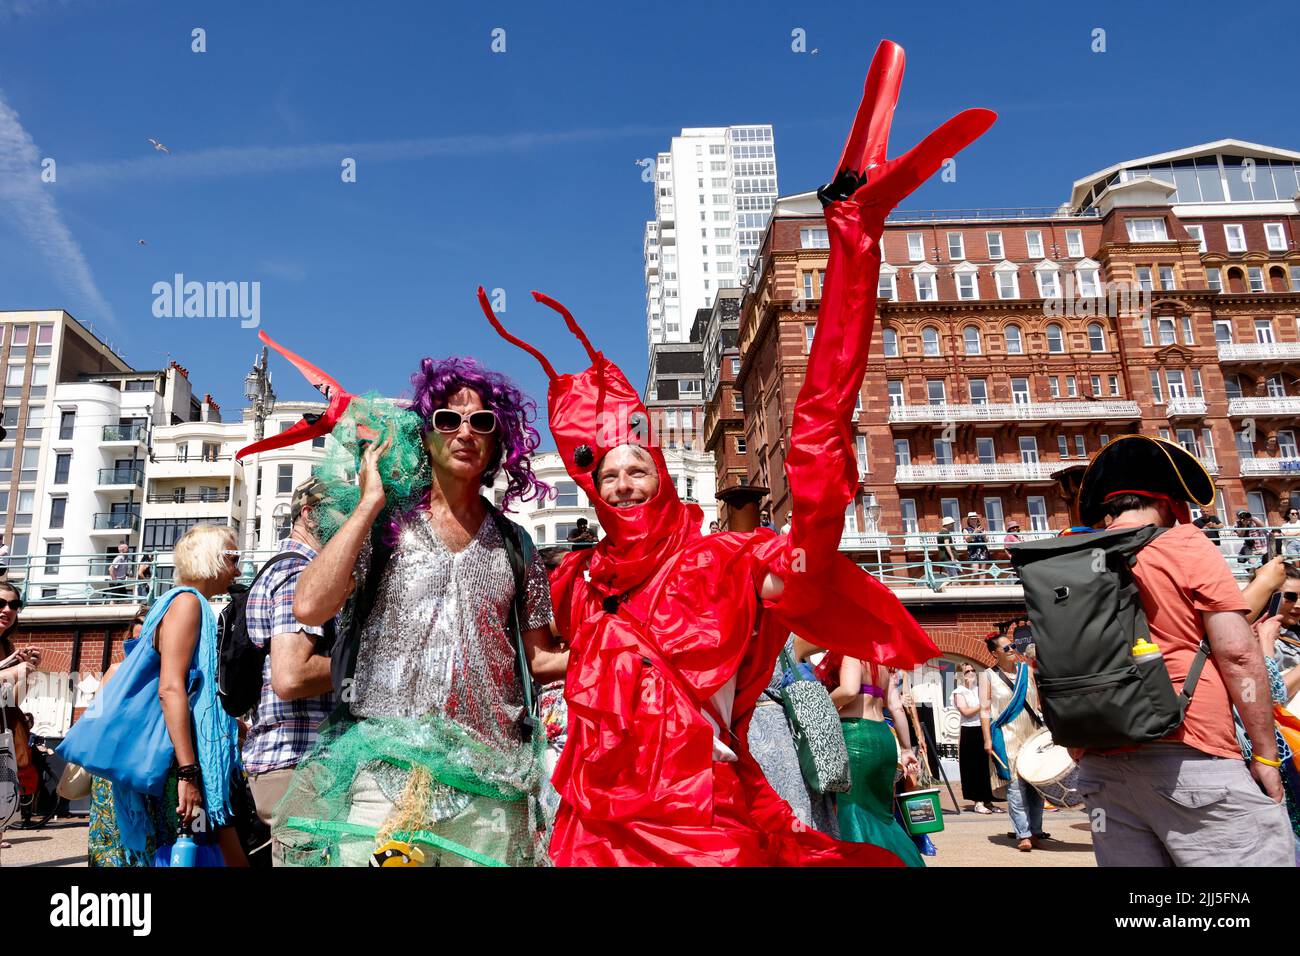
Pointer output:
441, 628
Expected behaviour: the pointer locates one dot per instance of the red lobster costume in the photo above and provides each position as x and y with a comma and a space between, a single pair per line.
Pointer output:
661, 618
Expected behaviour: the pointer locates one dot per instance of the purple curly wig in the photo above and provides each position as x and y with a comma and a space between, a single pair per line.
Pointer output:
516, 438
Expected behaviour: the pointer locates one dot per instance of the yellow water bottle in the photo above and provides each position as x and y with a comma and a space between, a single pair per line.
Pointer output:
1144, 651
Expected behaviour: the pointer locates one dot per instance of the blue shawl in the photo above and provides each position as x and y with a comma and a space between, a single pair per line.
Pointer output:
216, 733
1019, 695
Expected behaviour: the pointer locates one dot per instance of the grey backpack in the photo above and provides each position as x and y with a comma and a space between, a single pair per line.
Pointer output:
1086, 614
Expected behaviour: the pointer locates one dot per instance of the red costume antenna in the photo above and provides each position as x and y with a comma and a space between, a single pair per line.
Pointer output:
514, 339
310, 426
869, 135
545, 299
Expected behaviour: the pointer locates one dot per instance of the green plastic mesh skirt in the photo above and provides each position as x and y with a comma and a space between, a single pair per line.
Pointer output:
404, 468
432, 771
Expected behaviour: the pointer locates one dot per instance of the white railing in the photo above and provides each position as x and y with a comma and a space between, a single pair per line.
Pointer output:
1001, 471
1211, 466
1232, 351
1270, 466
1032, 411
1264, 406
1185, 406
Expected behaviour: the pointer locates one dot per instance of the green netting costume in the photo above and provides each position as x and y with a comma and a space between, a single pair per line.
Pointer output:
424, 762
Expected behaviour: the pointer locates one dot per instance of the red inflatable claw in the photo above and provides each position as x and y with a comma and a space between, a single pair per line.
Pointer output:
307, 428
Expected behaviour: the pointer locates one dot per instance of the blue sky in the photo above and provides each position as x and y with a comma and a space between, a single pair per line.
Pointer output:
518, 169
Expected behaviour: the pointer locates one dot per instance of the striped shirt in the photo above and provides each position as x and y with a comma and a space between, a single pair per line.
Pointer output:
283, 731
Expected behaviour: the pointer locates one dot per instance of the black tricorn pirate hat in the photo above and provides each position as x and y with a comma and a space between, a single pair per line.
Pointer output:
1143, 464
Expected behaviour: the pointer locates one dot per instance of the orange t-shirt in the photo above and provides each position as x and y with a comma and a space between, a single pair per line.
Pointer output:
1180, 574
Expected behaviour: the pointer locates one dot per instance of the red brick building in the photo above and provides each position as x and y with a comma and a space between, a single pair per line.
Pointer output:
1162, 298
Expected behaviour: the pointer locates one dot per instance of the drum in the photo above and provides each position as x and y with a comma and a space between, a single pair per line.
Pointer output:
1049, 770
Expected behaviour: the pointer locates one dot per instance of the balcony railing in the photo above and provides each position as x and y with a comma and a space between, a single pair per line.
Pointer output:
124, 432
1185, 407
1258, 351
116, 521
121, 476
1009, 212
1288, 405
1000, 471
1270, 466
1018, 411
188, 498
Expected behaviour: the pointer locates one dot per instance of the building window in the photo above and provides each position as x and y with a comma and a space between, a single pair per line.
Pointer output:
1177, 386
1256, 274
1089, 285
1074, 243
887, 287
1096, 337
1197, 233
942, 452
956, 247
737, 402
907, 508
995, 245
1015, 343
930, 340
979, 391
1222, 332
915, 247
1214, 280
1071, 387
1264, 331
1236, 238
1144, 278
67, 421
24, 508
985, 452
1028, 450
1062, 446
1167, 278
1166, 325
935, 392
1096, 386
902, 453
971, 338
1037, 513
1146, 230
967, 285
864, 465
993, 515
1020, 391
1034, 243
1187, 330
1275, 237
891, 342
735, 366
740, 445
814, 238
925, 288
1049, 286
1155, 387
1055, 339
53, 550
566, 494
1054, 386
284, 479
1008, 284
809, 330
896, 398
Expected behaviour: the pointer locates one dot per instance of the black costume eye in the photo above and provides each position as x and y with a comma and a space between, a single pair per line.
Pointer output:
582, 456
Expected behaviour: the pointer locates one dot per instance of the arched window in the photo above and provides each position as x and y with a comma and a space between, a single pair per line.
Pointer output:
930, 340
1096, 337
1015, 343
1055, 338
971, 336
891, 342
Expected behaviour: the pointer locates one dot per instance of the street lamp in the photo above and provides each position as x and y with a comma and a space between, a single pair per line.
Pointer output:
258, 391
871, 510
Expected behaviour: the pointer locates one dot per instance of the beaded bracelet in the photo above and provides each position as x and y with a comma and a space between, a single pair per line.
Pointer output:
190, 772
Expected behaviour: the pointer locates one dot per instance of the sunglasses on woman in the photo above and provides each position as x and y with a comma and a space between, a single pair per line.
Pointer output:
1286, 596
448, 421
12, 605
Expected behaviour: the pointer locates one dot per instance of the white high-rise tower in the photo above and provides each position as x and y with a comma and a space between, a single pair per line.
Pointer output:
714, 191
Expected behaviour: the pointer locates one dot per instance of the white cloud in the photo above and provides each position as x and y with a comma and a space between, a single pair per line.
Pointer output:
221, 162
31, 207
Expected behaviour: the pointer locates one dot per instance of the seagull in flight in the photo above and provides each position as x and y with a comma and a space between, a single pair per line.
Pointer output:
141, 242
815, 50
159, 146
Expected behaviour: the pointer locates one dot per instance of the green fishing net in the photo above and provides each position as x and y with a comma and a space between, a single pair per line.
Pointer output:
404, 468
433, 784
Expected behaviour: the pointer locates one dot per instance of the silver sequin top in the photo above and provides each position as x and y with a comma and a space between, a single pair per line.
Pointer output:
436, 639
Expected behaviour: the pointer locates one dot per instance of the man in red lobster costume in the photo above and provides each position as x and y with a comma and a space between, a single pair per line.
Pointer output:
673, 634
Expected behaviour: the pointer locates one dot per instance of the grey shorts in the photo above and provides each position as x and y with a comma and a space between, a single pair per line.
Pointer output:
1171, 805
